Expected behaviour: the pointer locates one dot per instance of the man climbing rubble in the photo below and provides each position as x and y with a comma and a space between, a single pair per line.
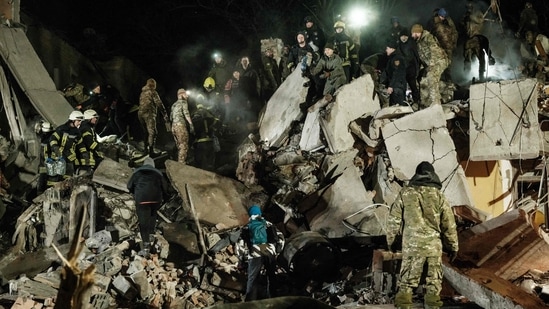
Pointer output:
148, 187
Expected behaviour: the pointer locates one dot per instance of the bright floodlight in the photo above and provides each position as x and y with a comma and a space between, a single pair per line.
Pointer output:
358, 17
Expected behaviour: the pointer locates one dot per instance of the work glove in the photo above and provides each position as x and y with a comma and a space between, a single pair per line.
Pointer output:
452, 255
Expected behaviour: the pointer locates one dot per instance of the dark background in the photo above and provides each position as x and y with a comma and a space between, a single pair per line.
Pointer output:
173, 40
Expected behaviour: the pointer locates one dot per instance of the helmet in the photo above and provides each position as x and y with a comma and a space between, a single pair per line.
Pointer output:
339, 24
89, 114
209, 83
46, 127
254, 210
76, 115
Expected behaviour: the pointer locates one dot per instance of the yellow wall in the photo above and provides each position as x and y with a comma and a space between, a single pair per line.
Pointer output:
485, 182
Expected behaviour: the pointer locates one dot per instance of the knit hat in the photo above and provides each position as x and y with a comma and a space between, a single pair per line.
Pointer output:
329, 45
254, 210
180, 91
417, 28
405, 32
442, 12
392, 44
424, 167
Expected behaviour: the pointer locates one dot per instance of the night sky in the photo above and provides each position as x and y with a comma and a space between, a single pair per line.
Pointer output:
175, 39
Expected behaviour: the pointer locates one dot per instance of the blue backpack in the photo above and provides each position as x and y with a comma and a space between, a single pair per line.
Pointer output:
258, 231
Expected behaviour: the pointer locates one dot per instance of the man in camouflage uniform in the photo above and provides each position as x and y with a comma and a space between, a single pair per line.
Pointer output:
423, 218
434, 61
180, 116
149, 103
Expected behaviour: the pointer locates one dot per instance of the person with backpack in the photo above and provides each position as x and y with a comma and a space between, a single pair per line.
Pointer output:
259, 243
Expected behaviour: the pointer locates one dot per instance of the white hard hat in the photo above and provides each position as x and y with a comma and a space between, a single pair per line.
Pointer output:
46, 127
89, 114
76, 115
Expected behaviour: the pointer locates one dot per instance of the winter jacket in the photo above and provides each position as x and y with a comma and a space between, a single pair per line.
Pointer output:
147, 185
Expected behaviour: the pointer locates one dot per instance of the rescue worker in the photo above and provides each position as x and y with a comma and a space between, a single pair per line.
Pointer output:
180, 117
434, 61
259, 244
423, 219
149, 104
528, 20
220, 72
478, 46
408, 49
89, 138
271, 74
250, 84
330, 69
206, 143
67, 147
445, 31
211, 97
299, 51
540, 44
395, 74
44, 130
345, 48
303, 55
314, 36
148, 187
396, 28
76, 95
235, 99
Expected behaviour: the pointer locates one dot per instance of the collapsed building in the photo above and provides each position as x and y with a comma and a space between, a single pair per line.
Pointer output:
326, 176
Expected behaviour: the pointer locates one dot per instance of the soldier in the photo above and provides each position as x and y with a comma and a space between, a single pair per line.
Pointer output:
271, 74
67, 147
330, 69
445, 31
434, 61
89, 138
528, 20
423, 218
180, 117
149, 103
394, 75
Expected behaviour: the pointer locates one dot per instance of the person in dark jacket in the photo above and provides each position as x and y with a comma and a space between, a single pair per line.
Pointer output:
408, 49
314, 35
148, 186
395, 74
206, 143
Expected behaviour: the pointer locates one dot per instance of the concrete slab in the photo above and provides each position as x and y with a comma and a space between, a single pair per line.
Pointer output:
217, 199
504, 121
28, 70
282, 109
351, 102
326, 208
310, 135
423, 136
113, 174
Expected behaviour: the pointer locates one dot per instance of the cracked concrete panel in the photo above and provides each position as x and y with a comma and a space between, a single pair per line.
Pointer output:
282, 109
423, 136
217, 199
351, 102
345, 195
310, 135
113, 174
504, 121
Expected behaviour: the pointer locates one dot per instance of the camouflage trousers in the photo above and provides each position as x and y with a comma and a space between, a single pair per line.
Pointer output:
430, 84
181, 136
148, 123
412, 270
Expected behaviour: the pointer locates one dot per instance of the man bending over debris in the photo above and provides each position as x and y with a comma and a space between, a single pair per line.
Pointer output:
148, 187
423, 218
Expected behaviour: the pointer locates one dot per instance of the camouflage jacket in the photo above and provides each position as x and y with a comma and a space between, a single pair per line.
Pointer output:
424, 219
429, 49
446, 33
180, 112
149, 101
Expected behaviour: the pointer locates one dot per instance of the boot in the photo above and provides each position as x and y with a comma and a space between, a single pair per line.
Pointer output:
403, 300
146, 250
432, 301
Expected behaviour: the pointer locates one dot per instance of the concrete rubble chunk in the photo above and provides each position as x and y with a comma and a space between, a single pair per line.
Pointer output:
423, 136
283, 109
124, 287
326, 208
217, 199
141, 280
112, 174
351, 102
503, 120
101, 301
310, 135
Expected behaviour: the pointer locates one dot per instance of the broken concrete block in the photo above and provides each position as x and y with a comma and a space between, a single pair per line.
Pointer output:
310, 135
326, 208
351, 102
124, 287
26, 303
99, 241
113, 174
503, 121
141, 280
217, 199
134, 267
109, 266
100, 301
423, 136
282, 109
162, 246
101, 281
